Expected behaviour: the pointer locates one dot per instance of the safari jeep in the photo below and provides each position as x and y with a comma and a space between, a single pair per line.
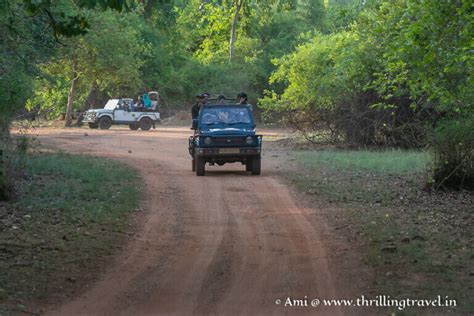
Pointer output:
122, 111
225, 134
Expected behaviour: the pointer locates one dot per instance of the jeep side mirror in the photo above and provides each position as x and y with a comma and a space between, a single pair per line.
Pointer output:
195, 124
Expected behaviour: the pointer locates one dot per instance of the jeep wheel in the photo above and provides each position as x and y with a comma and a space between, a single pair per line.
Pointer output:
200, 166
133, 126
248, 164
193, 165
256, 165
146, 123
93, 125
105, 122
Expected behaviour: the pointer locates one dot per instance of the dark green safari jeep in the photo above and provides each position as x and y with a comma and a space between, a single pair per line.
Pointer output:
225, 134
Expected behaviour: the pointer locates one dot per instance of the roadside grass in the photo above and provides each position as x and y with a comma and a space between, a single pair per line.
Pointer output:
394, 162
361, 176
419, 242
71, 213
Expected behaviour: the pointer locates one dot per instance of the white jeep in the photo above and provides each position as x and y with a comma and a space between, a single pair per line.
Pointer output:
123, 112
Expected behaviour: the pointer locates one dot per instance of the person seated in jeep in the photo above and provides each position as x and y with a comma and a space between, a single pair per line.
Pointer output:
221, 99
224, 117
139, 104
242, 98
221, 115
209, 118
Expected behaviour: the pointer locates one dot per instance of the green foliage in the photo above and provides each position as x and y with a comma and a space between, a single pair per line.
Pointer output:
339, 16
206, 28
112, 63
428, 49
326, 88
20, 51
277, 28
50, 97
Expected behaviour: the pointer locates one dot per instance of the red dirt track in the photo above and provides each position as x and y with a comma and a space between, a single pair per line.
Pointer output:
224, 244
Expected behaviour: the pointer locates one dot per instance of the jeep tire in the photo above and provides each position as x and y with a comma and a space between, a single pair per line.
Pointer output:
256, 165
200, 166
248, 164
146, 123
93, 125
133, 126
193, 165
104, 122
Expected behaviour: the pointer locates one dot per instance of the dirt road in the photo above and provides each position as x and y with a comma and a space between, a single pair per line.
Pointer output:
224, 244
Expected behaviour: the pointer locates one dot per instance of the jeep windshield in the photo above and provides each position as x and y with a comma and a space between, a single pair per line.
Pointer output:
111, 104
223, 116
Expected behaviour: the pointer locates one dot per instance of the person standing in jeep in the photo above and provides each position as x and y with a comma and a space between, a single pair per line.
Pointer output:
201, 99
196, 107
146, 100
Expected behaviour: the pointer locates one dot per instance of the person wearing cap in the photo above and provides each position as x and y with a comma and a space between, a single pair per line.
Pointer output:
196, 106
221, 99
242, 98
205, 97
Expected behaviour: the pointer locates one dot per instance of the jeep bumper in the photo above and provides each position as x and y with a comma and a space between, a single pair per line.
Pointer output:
228, 152
90, 117
89, 120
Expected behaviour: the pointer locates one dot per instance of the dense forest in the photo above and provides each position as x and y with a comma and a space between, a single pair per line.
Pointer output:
368, 73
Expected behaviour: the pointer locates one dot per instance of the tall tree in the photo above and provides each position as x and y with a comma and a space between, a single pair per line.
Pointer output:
72, 91
238, 5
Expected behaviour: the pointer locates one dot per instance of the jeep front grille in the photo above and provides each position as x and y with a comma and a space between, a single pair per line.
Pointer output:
229, 141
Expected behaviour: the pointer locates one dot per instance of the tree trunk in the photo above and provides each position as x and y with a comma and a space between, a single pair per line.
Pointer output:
72, 92
5, 188
4, 127
238, 5
91, 102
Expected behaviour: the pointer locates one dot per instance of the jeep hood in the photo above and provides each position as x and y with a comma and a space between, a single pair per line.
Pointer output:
228, 131
98, 111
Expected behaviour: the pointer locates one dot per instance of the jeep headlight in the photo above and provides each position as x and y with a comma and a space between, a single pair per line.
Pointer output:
207, 140
249, 140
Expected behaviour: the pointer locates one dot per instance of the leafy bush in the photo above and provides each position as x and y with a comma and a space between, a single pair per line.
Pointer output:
329, 91
454, 154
